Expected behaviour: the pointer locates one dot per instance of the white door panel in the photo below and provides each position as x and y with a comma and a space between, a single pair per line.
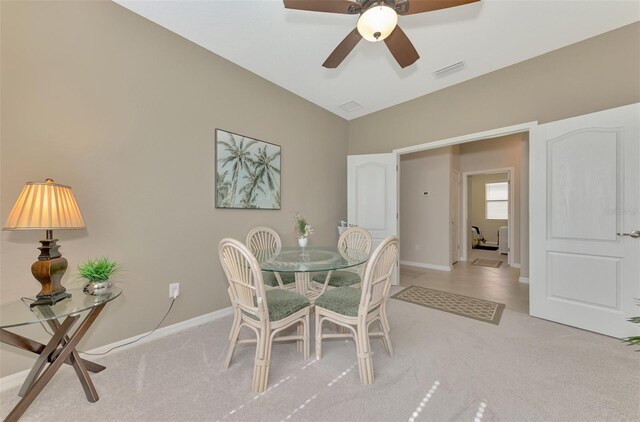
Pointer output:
371, 200
583, 168
372, 195
585, 188
570, 271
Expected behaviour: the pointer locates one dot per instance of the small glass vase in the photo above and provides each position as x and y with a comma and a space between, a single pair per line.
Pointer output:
302, 241
95, 288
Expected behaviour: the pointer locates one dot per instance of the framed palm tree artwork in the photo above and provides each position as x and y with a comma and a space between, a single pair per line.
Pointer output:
247, 172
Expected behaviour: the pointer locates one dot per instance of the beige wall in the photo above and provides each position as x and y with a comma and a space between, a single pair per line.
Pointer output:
489, 228
124, 111
499, 153
424, 228
597, 74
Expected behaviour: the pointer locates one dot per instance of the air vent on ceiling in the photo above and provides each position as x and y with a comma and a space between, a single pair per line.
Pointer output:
351, 106
447, 70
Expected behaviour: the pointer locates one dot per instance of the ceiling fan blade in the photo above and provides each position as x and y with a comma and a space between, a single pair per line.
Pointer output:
401, 48
410, 7
331, 6
342, 50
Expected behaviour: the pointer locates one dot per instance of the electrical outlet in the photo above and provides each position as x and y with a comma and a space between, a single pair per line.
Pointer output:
174, 290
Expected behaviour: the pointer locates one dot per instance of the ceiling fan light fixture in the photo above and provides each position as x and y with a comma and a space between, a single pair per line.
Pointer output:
377, 22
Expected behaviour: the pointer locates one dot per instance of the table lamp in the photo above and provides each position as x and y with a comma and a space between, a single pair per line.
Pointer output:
47, 206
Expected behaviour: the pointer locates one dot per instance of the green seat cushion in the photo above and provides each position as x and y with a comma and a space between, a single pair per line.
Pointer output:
342, 300
269, 278
338, 278
282, 303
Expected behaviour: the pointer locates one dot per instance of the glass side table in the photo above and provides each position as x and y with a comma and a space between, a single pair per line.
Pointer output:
61, 348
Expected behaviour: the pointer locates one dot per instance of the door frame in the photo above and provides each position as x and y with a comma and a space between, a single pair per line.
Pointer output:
456, 213
465, 210
472, 137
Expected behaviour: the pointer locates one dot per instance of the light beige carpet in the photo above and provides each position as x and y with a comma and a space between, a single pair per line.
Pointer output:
492, 263
445, 368
470, 307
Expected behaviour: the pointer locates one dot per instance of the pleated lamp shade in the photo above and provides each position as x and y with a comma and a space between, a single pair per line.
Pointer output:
45, 205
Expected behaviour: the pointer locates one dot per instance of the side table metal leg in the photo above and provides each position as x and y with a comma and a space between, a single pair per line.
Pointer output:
83, 376
58, 336
79, 367
32, 346
50, 371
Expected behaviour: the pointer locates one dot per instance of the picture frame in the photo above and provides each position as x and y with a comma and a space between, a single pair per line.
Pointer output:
247, 172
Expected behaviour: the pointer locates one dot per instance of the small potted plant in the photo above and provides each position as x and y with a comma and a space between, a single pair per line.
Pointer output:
97, 272
303, 230
633, 340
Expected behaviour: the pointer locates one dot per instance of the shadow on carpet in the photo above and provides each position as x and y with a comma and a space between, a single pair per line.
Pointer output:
470, 307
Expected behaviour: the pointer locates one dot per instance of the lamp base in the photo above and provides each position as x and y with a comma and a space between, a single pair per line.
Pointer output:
50, 300
48, 270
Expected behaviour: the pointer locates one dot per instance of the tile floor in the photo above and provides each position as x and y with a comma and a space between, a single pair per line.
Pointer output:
496, 284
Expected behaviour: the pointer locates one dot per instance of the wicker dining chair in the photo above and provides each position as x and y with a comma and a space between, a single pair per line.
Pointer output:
357, 309
266, 312
264, 240
355, 238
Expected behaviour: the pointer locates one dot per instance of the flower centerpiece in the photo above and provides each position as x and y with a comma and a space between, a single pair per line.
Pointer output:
97, 272
303, 230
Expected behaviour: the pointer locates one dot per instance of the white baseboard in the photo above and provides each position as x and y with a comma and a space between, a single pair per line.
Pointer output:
524, 280
15, 380
428, 266
515, 265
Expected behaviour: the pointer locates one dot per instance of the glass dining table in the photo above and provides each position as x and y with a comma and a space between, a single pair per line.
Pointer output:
311, 259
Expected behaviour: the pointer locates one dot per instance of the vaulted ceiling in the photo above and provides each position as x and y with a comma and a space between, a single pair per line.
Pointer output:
288, 47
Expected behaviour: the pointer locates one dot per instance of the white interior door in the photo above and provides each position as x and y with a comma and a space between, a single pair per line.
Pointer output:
585, 188
454, 211
372, 195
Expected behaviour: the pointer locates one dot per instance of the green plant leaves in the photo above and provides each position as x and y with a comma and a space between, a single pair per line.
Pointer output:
98, 269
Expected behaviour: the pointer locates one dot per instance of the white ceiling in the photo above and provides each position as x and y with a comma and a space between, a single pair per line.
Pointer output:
288, 47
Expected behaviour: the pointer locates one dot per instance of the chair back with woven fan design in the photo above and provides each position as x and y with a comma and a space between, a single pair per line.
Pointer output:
358, 239
246, 287
263, 240
355, 238
264, 243
376, 281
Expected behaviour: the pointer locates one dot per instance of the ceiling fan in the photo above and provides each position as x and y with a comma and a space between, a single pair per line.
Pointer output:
378, 21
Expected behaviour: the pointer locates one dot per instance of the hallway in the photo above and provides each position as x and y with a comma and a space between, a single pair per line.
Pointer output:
496, 284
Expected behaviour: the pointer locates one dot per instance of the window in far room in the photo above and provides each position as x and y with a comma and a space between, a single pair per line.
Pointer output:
497, 201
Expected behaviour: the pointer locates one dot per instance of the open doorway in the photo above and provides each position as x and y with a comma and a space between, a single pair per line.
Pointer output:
488, 198
435, 221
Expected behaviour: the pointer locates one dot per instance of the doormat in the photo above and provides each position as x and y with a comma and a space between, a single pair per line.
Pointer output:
487, 263
470, 307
